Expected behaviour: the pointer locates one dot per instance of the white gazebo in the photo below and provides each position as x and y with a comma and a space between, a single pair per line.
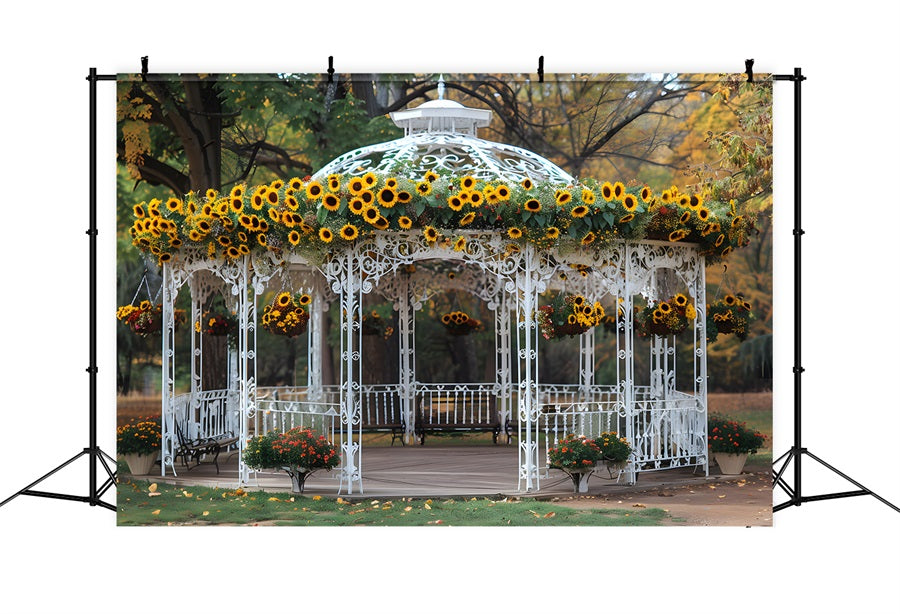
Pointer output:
663, 415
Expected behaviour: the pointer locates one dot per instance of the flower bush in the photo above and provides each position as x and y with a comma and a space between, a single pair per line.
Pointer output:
286, 315
568, 315
141, 437
298, 452
318, 217
146, 318
669, 317
729, 315
613, 448
460, 323
575, 452
729, 436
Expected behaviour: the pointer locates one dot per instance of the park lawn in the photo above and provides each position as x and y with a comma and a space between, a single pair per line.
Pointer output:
197, 506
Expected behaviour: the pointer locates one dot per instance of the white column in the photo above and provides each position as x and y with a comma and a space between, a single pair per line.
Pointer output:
314, 346
504, 358
351, 339
528, 406
169, 437
406, 326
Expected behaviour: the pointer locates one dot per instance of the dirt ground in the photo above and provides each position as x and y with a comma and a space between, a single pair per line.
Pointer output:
743, 501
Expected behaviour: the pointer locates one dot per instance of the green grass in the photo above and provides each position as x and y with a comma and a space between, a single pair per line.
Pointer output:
212, 506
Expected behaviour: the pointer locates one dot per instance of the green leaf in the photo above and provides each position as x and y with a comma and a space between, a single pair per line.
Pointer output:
321, 214
420, 207
609, 217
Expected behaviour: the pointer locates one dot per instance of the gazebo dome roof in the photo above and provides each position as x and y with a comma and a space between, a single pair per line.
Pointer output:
443, 135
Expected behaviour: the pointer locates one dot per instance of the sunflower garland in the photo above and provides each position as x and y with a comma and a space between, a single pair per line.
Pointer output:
307, 215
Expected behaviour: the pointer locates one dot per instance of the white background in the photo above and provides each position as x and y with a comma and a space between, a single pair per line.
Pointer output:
836, 556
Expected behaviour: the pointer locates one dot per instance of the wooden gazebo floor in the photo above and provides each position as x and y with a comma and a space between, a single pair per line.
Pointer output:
433, 471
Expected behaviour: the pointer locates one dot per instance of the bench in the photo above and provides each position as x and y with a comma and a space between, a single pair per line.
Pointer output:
396, 429
196, 449
435, 414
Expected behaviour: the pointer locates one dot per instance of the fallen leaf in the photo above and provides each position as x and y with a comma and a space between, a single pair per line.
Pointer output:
549, 514
407, 508
153, 487
721, 496
206, 513
428, 501
638, 505
274, 499
154, 494
317, 497
156, 512
427, 507
187, 494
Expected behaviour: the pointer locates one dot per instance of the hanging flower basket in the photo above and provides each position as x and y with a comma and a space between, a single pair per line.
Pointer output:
216, 324
286, 315
459, 323
730, 315
374, 325
568, 316
670, 317
146, 318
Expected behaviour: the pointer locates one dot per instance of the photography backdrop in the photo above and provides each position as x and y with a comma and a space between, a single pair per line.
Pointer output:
860, 528
216, 171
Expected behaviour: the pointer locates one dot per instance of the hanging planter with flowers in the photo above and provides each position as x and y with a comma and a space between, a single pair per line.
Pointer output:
459, 323
146, 318
216, 324
569, 316
729, 315
670, 317
374, 325
286, 315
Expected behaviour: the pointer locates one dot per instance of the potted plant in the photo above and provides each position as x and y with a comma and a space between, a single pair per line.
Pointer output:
614, 451
460, 323
729, 315
146, 318
568, 315
576, 456
286, 315
731, 442
138, 444
298, 452
669, 317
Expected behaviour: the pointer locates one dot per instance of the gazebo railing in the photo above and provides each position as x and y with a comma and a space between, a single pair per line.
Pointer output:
457, 403
589, 419
284, 415
669, 432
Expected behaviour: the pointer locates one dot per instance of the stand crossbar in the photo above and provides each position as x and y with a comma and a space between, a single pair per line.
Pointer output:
93, 452
797, 452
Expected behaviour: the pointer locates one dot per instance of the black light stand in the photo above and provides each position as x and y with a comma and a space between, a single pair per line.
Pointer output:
93, 452
797, 451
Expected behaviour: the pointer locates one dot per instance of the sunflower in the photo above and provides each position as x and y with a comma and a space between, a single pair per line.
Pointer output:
695, 202
630, 203
204, 226
446, 318
206, 210
175, 242
729, 300
391, 182
174, 205
476, 198
720, 239
571, 319
423, 188
370, 179
646, 194
460, 244
371, 214
304, 299
618, 190
349, 232
579, 211
356, 186
431, 235
224, 240
502, 192
562, 197
403, 196
272, 197
237, 205
261, 239
325, 235
552, 233
263, 225
703, 214
680, 300
467, 182
367, 196
404, 222
588, 238
295, 183
664, 307
277, 184
588, 196
274, 215
737, 220
334, 182
726, 251
332, 202
684, 200
138, 211
430, 176
258, 200
211, 194
455, 203
677, 235
606, 190
291, 202
685, 217
387, 197
305, 228
533, 205
356, 205
284, 299
293, 237
314, 190
527, 183
467, 219
514, 232
666, 197
626, 218
690, 312
242, 237
382, 223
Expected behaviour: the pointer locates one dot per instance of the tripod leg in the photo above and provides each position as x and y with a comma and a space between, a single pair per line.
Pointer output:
44, 477
852, 481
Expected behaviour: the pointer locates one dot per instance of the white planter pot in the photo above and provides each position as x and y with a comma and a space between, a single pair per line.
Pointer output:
140, 464
730, 464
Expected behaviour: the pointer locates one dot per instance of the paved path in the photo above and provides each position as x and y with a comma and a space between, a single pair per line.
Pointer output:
440, 471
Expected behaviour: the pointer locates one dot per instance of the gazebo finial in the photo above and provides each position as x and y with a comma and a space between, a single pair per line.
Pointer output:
440, 87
